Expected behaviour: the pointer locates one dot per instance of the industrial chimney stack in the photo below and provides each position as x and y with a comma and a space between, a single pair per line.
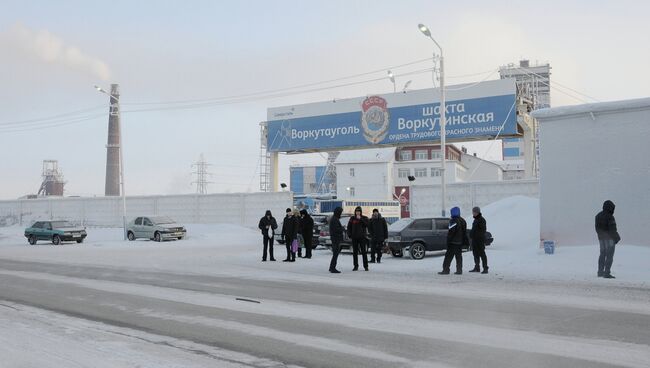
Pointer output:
113, 147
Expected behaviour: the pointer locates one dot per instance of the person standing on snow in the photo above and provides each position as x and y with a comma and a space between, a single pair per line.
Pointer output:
456, 239
268, 225
357, 230
307, 228
479, 228
378, 234
336, 235
289, 230
607, 237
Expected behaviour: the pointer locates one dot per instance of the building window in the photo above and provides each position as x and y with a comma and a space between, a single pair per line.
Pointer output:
351, 190
435, 172
421, 155
435, 155
405, 155
352, 171
420, 173
403, 173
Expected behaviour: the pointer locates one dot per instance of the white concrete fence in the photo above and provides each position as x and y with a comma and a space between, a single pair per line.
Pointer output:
238, 208
425, 200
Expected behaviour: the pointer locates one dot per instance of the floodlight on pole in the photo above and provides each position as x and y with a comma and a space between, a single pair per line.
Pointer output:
406, 85
391, 76
443, 141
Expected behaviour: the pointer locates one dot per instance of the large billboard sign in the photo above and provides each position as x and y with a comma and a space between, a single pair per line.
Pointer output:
475, 111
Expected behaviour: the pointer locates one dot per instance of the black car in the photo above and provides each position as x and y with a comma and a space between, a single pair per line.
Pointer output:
418, 236
319, 222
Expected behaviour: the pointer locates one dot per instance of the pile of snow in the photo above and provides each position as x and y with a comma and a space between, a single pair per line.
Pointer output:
513, 222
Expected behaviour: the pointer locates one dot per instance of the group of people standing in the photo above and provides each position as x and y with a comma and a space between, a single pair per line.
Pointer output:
297, 226
457, 238
358, 229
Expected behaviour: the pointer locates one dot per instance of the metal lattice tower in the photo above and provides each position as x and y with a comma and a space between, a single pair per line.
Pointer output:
328, 181
202, 175
265, 159
53, 181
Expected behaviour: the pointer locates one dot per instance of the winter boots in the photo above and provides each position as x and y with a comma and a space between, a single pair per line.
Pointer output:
478, 269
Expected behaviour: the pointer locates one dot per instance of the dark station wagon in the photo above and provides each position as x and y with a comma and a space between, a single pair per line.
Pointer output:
418, 236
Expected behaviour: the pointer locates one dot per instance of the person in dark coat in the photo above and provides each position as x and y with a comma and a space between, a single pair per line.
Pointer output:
297, 217
456, 239
607, 237
268, 225
479, 228
378, 228
357, 231
290, 232
307, 229
336, 235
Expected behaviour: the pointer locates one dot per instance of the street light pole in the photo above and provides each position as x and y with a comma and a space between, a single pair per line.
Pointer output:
116, 101
443, 134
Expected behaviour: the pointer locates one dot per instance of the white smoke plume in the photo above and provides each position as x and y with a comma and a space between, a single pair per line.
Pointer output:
53, 49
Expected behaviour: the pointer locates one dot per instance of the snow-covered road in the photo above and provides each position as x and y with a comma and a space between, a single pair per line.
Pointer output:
308, 324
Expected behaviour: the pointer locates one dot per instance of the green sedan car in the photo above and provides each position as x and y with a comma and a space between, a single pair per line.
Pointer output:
55, 232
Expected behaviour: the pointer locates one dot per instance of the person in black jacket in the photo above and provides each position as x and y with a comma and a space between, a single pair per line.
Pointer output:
357, 230
290, 232
307, 229
479, 228
607, 237
456, 238
268, 225
336, 234
378, 228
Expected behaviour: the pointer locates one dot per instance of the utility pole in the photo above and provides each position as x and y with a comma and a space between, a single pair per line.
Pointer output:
202, 175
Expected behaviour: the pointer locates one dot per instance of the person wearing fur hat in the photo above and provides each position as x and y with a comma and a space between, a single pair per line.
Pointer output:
357, 230
479, 228
456, 239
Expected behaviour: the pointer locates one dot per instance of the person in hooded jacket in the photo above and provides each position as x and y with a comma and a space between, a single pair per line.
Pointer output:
357, 230
336, 235
290, 232
268, 225
456, 239
378, 228
307, 229
607, 237
479, 228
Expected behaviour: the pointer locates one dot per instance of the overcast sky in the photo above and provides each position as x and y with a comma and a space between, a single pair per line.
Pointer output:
52, 53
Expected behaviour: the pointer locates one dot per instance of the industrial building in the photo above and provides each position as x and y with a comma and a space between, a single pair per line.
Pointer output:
53, 183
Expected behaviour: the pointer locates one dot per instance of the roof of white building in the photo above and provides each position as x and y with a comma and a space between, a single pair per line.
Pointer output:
509, 165
593, 108
367, 155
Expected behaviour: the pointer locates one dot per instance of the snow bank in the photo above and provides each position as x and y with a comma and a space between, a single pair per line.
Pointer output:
513, 222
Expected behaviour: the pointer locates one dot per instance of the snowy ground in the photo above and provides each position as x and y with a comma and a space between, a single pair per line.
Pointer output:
236, 251
519, 273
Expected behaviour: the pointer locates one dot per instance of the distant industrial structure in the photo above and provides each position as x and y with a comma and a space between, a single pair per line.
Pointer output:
53, 183
201, 173
534, 88
112, 187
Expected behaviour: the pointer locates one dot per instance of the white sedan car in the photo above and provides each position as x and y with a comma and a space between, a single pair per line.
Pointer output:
156, 228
